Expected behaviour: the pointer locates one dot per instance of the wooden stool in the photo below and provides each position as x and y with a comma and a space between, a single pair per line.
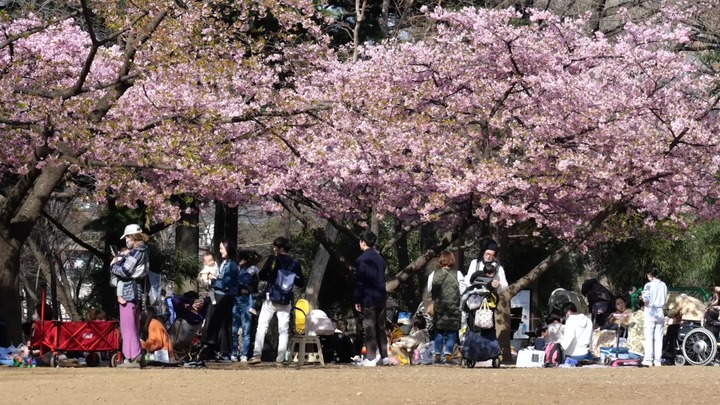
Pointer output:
307, 349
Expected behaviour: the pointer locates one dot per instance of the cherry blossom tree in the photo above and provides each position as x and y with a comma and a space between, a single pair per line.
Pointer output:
166, 98
548, 122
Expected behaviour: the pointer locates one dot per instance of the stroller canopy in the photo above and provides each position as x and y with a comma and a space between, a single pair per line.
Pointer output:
560, 297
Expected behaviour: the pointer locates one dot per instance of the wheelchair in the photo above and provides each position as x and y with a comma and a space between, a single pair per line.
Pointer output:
697, 343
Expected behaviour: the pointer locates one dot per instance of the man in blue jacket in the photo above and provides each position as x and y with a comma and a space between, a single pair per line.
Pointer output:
369, 298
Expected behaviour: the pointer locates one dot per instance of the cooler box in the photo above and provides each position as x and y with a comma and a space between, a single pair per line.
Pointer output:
530, 358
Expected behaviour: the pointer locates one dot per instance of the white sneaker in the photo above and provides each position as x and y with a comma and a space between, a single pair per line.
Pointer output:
647, 363
384, 361
368, 363
234, 359
243, 359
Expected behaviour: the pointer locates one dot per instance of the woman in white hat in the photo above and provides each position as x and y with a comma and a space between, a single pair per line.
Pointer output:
130, 267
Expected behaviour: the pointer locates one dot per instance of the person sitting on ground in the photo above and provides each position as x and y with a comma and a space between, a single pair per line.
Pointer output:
417, 337
555, 330
607, 336
541, 333
578, 334
621, 315
154, 338
636, 331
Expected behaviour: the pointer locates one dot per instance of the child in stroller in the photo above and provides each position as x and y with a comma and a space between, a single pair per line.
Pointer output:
478, 302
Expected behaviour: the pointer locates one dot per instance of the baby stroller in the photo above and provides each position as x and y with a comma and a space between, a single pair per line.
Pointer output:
600, 300
476, 345
561, 297
186, 331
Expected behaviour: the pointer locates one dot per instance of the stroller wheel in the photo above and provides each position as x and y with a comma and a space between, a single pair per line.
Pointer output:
608, 361
496, 362
679, 360
469, 363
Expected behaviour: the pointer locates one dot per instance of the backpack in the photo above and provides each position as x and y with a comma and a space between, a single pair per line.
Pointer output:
281, 291
554, 355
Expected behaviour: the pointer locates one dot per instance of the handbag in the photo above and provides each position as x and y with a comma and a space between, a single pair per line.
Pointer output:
484, 316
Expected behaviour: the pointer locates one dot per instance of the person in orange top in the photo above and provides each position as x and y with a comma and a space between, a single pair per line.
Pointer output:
154, 337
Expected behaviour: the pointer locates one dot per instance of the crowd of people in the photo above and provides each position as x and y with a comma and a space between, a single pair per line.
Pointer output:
235, 300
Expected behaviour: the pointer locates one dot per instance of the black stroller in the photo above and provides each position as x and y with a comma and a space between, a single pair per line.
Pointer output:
477, 346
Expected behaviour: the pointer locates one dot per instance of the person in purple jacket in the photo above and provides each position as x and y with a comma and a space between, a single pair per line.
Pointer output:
369, 297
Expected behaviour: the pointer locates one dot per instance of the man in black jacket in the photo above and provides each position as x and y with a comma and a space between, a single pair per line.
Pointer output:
282, 274
369, 298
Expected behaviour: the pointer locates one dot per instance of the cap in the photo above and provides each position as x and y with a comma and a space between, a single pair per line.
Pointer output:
131, 230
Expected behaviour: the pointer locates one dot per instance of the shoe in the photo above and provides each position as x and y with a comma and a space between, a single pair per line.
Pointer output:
368, 363
234, 359
224, 359
243, 359
384, 362
647, 364
254, 360
130, 364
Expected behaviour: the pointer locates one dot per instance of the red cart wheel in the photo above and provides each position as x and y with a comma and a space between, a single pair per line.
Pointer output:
114, 360
93, 359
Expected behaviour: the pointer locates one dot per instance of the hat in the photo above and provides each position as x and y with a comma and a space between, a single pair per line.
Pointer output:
131, 229
490, 245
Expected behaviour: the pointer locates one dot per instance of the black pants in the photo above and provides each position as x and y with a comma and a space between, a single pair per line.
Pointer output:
374, 326
220, 326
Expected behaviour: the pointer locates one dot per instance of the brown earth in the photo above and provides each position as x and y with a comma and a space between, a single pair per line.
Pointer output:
269, 384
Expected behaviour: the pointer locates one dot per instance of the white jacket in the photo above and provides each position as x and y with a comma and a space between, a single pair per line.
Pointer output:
654, 294
577, 335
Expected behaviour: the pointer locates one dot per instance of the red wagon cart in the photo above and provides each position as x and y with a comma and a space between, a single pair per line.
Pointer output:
83, 336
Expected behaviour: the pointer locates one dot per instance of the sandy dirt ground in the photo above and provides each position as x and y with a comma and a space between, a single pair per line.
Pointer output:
269, 384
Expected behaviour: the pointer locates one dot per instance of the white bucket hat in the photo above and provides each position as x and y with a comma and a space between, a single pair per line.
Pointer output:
131, 230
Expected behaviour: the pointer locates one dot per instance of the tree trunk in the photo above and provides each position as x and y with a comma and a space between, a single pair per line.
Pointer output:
19, 213
410, 289
384, 17
187, 240
64, 290
10, 308
312, 292
226, 227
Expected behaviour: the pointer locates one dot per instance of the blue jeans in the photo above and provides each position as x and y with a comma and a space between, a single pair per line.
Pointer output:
242, 318
588, 356
450, 337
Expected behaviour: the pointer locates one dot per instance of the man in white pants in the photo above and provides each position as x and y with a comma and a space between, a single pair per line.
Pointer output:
282, 272
654, 295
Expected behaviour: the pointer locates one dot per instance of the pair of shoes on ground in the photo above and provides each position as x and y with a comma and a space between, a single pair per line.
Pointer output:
137, 362
374, 362
235, 359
